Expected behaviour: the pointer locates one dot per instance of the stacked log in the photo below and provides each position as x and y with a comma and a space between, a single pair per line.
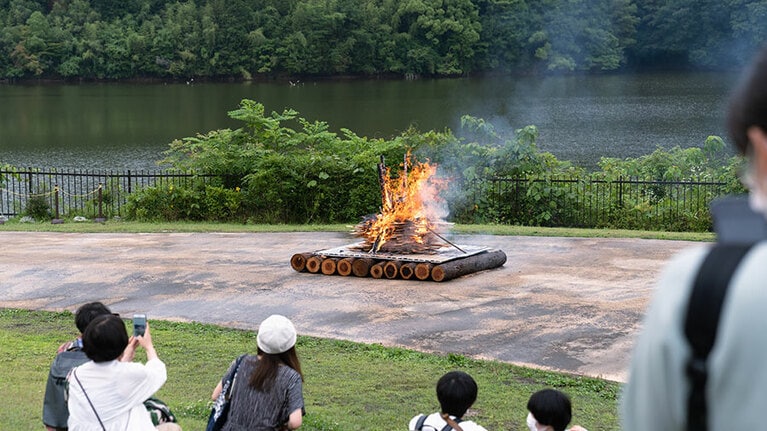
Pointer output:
394, 268
344, 266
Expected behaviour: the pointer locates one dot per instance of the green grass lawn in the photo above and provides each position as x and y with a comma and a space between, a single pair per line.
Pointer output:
348, 386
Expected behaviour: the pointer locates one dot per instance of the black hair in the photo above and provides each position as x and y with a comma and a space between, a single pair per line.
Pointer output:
748, 103
456, 392
87, 312
105, 338
265, 374
551, 407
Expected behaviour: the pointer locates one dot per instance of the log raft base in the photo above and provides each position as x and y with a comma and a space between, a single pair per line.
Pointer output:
443, 265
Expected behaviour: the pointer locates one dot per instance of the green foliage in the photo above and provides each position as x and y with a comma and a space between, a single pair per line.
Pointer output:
281, 168
38, 207
113, 39
200, 202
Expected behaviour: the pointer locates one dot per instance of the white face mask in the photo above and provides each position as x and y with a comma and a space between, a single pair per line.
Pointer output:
531, 422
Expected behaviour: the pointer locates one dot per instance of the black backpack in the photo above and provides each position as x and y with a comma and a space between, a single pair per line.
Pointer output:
702, 320
55, 412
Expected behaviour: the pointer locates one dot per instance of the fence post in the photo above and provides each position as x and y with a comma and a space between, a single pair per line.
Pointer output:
56, 219
100, 218
620, 191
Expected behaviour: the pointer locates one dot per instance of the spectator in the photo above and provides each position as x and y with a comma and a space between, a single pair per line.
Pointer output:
268, 391
456, 392
658, 390
550, 410
108, 392
70, 355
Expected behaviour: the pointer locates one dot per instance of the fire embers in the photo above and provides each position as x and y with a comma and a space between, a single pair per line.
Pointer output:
411, 211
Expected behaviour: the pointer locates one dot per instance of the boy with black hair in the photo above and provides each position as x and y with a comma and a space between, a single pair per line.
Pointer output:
69, 355
456, 392
550, 410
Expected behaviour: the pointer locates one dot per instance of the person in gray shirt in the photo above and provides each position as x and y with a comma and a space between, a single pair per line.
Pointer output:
267, 391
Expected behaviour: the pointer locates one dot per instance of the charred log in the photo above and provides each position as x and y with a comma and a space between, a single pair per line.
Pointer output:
391, 269
478, 262
407, 270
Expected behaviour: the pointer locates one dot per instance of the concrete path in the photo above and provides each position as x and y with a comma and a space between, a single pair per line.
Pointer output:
569, 304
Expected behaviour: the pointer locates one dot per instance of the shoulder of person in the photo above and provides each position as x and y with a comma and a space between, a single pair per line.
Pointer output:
471, 426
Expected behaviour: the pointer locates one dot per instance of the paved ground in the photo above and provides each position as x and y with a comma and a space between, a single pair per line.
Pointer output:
570, 304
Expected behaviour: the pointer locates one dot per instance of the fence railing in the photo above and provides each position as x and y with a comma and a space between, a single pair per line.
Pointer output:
79, 192
564, 202
595, 202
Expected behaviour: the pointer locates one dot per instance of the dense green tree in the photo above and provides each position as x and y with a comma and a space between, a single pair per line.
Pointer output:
584, 34
113, 39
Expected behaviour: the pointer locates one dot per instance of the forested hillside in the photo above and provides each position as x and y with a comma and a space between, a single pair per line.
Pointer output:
246, 39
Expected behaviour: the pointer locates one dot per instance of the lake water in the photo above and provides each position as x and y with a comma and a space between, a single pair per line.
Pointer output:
580, 118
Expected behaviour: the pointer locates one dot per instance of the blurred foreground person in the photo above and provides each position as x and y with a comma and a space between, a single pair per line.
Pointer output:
699, 362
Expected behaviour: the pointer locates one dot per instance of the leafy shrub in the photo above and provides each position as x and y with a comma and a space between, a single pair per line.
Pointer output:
38, 207
199, 202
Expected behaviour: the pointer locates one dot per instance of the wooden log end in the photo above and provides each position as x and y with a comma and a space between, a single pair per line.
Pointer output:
377, 271
361, 267
407, 270
328, 265
423, 271
391, 269
298, 261
313, 264
344, 266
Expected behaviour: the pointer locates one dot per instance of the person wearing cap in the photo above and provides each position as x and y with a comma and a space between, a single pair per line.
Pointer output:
267, 392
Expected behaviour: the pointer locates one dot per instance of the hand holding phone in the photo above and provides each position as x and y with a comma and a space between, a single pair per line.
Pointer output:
139, 324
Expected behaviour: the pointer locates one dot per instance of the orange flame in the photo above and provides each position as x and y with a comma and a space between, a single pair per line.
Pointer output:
409, 209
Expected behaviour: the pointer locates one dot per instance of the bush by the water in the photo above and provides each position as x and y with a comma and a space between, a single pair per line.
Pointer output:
281, 168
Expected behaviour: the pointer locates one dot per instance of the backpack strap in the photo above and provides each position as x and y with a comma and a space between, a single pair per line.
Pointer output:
451, 423
700, 327
419, 422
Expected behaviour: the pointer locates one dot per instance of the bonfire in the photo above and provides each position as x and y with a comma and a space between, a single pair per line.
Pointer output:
411, 211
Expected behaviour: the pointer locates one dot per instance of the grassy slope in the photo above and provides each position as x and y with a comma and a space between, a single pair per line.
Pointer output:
349, 386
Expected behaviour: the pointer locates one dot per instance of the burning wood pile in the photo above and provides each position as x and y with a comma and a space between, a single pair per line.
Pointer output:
403, 240
408, 209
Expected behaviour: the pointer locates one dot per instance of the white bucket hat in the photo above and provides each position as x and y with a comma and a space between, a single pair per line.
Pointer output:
276, 335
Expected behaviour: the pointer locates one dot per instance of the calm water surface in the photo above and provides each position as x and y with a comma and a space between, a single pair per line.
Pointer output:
128, 126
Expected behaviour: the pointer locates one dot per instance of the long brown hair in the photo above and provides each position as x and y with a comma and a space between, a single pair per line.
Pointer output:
265, 374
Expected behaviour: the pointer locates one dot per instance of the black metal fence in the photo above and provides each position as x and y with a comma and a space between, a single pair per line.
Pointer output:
563, 202
630, 203
81, 192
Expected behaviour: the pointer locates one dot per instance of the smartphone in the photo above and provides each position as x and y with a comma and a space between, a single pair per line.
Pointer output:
139, 324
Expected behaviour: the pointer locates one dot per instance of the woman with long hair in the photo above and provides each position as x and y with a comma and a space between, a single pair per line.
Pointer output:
267, 391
